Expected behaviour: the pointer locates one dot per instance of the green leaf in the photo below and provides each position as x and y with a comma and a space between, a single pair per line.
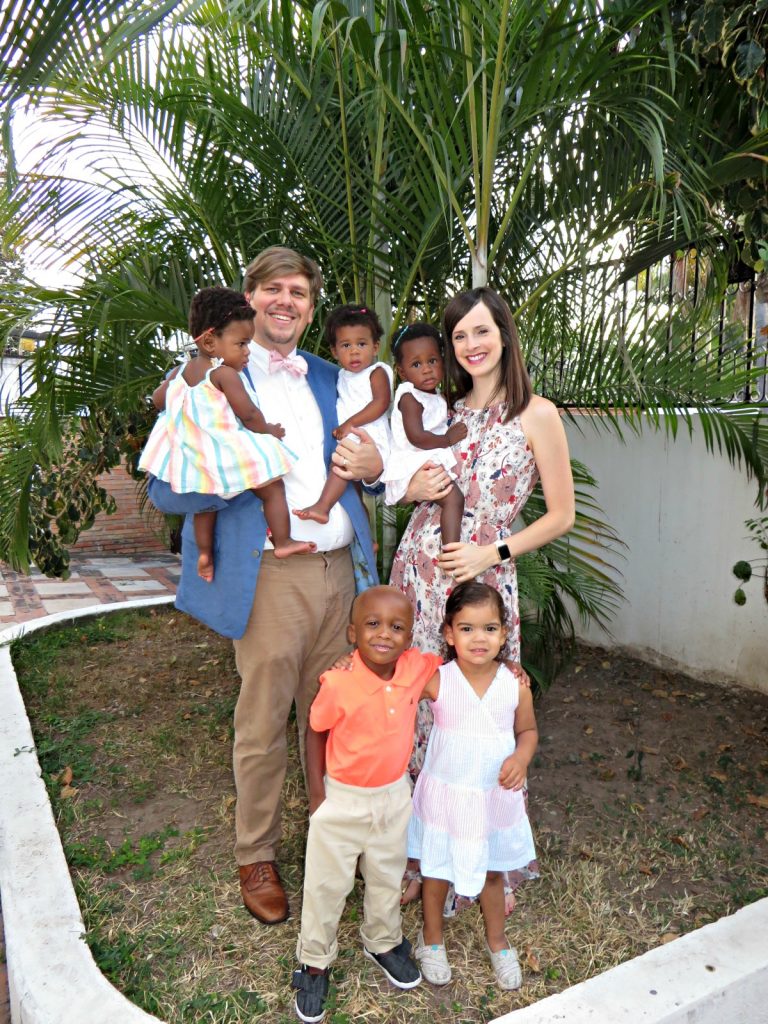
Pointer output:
750, 58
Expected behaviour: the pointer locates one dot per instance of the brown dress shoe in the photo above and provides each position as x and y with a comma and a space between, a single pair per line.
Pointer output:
263, 893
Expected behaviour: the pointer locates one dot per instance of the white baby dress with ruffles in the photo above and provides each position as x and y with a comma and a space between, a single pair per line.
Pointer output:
354, 393
404, 458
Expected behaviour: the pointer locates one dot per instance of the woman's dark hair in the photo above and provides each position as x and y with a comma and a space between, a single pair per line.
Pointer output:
212, 309
351, 316
513, 380
471, 593
420, 329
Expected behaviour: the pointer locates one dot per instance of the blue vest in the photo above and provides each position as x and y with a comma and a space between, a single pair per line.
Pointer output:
225, 604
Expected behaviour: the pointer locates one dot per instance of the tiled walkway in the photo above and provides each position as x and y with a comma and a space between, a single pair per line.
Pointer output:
94, 581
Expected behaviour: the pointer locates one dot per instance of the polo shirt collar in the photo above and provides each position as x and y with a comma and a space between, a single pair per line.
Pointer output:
370, 682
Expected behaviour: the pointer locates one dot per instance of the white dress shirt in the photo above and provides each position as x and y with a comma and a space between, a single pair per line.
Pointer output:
289, 401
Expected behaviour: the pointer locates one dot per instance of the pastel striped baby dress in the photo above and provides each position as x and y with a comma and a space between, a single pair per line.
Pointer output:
464, 823
199, 445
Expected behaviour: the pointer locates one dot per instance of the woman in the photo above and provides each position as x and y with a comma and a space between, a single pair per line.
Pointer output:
514, 438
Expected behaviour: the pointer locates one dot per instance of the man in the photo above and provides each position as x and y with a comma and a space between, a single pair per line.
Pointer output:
287, 617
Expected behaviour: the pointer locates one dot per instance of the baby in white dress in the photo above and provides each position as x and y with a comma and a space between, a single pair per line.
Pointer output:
420, 431
364, 390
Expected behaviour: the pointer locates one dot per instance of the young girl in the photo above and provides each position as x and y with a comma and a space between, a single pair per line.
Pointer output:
420, 432
469, 822
364, 390
211, 438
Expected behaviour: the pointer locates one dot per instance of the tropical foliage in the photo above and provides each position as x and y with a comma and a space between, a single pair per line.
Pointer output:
555, 149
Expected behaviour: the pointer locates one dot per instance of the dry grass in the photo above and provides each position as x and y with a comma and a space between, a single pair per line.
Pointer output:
139, 709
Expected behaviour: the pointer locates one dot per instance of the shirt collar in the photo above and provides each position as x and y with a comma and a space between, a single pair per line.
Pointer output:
371, 683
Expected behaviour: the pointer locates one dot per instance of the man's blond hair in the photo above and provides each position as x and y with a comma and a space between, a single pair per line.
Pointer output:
278, 260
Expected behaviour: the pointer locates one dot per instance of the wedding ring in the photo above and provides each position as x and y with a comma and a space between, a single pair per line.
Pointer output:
344, 463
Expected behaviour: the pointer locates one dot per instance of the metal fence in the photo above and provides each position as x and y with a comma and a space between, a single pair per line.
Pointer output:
674, 319
15, 381
730, 331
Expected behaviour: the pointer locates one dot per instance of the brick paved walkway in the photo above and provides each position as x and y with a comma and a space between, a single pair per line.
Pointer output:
94, 581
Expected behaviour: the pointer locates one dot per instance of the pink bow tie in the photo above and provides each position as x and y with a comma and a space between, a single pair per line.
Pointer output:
295, 365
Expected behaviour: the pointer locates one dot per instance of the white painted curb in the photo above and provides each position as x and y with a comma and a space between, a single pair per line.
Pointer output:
52, 977
715, 975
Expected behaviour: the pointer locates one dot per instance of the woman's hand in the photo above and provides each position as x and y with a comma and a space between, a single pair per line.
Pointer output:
430, 483
466, 561
357, 457
513, 773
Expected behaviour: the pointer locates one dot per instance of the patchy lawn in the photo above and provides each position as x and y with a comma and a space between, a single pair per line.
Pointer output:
649, 804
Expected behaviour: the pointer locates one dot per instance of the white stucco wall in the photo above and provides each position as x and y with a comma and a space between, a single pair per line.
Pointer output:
680, 510
9, 381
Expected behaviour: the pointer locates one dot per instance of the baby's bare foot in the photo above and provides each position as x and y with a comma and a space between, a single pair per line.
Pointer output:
294, 547
205, 566
314, 512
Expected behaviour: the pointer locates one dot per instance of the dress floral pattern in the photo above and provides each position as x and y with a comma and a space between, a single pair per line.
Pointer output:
497, 474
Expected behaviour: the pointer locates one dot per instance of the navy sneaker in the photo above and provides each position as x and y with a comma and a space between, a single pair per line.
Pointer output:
397, 965
311, 995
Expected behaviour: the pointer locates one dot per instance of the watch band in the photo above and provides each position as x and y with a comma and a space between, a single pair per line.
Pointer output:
505, 555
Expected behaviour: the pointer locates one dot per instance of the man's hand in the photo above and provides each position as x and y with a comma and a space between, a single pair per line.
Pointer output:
357, 460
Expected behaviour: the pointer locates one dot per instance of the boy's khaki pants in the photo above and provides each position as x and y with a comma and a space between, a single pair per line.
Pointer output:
353, 822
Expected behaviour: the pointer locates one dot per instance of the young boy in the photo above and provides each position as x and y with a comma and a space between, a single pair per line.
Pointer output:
359, 741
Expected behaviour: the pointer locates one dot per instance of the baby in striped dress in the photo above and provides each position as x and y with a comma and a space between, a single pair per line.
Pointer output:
211, 437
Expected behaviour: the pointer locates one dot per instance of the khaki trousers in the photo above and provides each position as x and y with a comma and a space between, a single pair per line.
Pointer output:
353, 822
296, 630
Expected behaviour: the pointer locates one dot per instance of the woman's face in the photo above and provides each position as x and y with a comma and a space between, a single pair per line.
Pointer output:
477, 343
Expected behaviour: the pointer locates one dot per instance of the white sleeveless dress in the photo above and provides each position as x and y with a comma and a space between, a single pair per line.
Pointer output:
354, 393
404, 458
464, 823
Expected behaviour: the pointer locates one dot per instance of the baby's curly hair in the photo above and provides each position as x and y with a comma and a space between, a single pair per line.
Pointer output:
464, 595
411, 332
213, 308
351, 315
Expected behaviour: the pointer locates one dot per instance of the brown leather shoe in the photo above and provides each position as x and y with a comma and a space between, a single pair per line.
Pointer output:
263, 893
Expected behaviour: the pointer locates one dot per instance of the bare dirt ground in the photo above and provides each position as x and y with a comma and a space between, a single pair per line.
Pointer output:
648, 800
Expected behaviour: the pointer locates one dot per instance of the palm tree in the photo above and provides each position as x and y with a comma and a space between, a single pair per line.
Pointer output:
413, 149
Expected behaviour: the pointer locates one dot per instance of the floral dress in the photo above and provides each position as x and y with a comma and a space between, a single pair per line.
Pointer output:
497, 474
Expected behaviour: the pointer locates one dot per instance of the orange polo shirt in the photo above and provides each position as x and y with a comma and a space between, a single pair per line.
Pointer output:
370, 720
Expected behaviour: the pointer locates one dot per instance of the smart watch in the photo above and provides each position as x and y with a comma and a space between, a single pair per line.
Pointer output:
505, 554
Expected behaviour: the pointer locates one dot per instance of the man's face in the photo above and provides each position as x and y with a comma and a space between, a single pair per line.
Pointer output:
283, 308
382, 623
